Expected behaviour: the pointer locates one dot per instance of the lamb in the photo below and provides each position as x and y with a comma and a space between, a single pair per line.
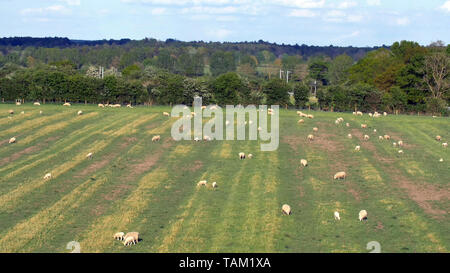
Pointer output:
301, 121
310, 137
66, 104
203, 107
445, 144
315, 129
23, 112
363, 126
214, 185
129, 241
362, 215
438, 138
250, 156
366, 137
156, 138
37, 104
117, 105
340, 175
48, 176
202, 183
259, 128
303, 162
354, 113
358, 148
101, 105
241, 156
387, 137
80, 113
12, 140
89, 155
134, 235
286, 209
166, 114
349, 135
336, 216
119, 236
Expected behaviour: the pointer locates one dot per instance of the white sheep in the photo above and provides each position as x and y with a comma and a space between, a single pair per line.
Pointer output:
259, 128
358, 148
37, 104
89, 155
310, 116
128, 241
134, 235
380, 138
303, 162
387, 137
340, 175
101, 105
301, 121
445, 144
374, 131
370, 114
119, 236
347, 124
214, 184
11, 112
202, 183
66, 104
362, 215
441, 160
286, 209
129, 105
315, 129
349, 135
310, 137
206, 138
241, 155
40, 112
363, 126
166, 114
400, 143
438, 138
366, 137
12, 140
80, 113
156, 138
196, 139
250, 156
227, 123
336, 216
359, 113
400, 151
48, 176
18, 103
394, 144
23, 112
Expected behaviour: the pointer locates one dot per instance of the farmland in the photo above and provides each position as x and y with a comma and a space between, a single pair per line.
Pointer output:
134, 184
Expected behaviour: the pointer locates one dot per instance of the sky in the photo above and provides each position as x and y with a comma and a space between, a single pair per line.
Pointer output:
310, 22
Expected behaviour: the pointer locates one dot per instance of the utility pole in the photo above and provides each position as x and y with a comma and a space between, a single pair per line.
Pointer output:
287, 75
281, 71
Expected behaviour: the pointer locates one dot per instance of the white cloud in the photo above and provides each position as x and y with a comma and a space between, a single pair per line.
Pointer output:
302, 13
158, 11
373, 2
306, 4
219, 34
71, 2
446, 6
347, 4
402, 21
210, 10
334, 16
51, 9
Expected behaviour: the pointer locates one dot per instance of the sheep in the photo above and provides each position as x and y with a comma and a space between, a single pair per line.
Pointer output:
203, 107
349, 135
358, 148
196, 139
129, 105
340, 175
441, 160
374, 131
400, 151
129, 241
166, 114
366, 137
310, 116
315, 129
241, 156
337, 122
384, 114
354, 113
370, 114
363, 126
362, 215
11, 112
359, 113
340, 119
101, 105
206, 138
438, 138
301, 121
380, 138
66, 104
214, 185
310, 137
400, 143
36, 104
250, 122
156, 138
347, 124
445, 144
286, 209
89, 155
12, 140
259, 128
47, 176
117, 105
18, 103
394, 144
119, 236
201, 183
250, 156
193, 114
23, 112
336, 216
40, 112
134, 235
80, 113
387, 137
303, 162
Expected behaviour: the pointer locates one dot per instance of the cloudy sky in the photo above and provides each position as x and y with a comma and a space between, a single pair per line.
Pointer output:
311, 22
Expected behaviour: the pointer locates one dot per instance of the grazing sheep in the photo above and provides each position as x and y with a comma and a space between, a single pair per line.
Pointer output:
363, 126
394, 144
119, 236
441, 160
358, 148
12, 140
80, 113
380, 137
18, 103
354, 113
129, 105
349, 135
241, 156
286, 209
193, 114
310, 116
301, 121
362, 215
166, 114
101, 105
400, 151
206, 138
202, 183
374, 131
347, 124
196, 139
387, 137
445, 144
384, 114
400, 143
304, 162
340, 175
203, 107
89, 155
134, 235
66, 104
214, 185
359, 113
337, 122
129, 241
315, 129
310, 137
370, 114
156, 138
438, 138
250, 156
23, 112
40, 112
366, 137
117, 105
11, 112
48, 176
37, 104
336, 216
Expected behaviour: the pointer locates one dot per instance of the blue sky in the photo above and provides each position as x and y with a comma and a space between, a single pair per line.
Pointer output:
311, 22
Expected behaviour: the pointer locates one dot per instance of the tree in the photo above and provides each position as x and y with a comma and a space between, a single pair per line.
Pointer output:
338, 69
229, 89
301, 94
276, 91
222, 62
318, 70
437, 66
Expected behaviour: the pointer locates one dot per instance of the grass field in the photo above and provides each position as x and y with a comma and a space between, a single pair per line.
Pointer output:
134, 184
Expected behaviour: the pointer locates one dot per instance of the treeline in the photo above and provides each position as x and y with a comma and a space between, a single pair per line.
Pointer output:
405, 77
